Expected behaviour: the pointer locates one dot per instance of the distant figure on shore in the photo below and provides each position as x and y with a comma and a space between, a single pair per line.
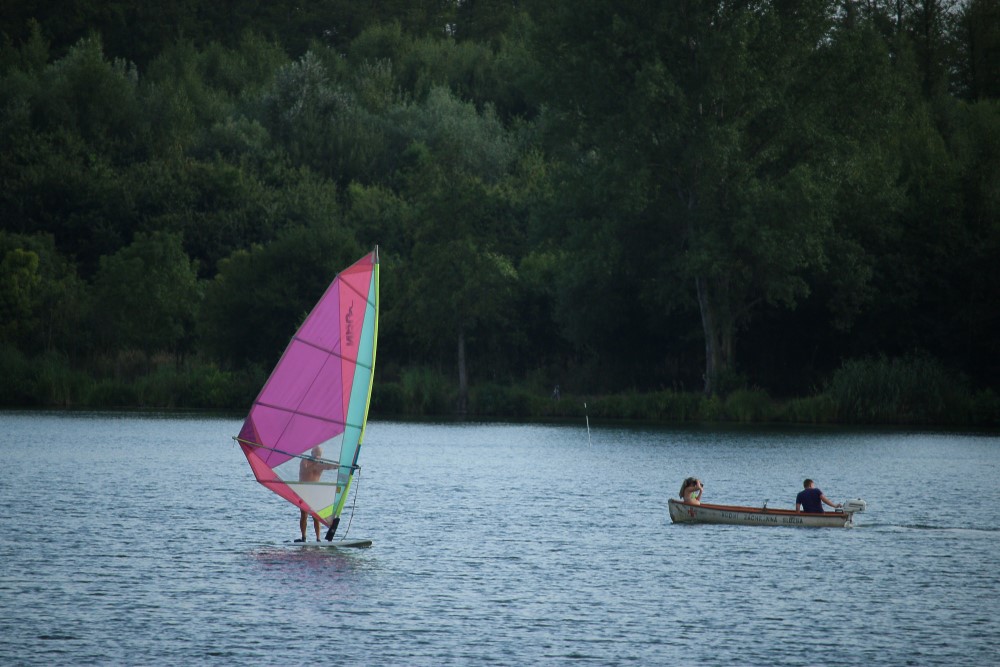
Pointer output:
810, 499
691, 490
556, 394
310, 470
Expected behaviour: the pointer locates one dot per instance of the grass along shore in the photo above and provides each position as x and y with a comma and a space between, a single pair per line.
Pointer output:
905, 391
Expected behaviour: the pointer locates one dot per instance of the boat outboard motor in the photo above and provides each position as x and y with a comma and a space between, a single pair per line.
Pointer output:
854, 505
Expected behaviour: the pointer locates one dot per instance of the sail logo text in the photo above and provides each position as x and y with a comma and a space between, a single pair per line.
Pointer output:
349, 325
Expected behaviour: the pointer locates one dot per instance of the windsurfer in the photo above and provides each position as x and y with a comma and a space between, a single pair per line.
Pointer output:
691, 491
310, 470
811, 499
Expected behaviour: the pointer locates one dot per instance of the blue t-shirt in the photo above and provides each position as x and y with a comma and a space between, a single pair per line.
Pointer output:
810, 500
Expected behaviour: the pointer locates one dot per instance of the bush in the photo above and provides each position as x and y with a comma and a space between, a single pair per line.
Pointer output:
617, 406
986, 408
55, 383
820, 409
497, 401
163, 388
17, 383
747, 405
670, 406
711, 409
914, 390
678, 406
197, 386
111, 393
388, 398
208, 387
426, 392
729, 381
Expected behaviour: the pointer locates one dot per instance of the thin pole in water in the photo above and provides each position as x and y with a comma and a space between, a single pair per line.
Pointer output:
587, 417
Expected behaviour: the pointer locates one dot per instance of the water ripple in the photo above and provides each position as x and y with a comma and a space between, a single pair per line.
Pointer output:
494, 544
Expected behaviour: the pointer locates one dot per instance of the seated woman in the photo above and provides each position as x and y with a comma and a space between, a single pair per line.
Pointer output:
691, 491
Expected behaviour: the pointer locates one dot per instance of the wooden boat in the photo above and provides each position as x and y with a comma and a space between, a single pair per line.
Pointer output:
681, 512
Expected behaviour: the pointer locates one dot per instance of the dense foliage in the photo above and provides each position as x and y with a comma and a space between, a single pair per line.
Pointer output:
738, 199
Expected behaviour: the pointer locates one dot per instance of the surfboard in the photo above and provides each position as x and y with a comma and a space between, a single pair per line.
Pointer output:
337, 544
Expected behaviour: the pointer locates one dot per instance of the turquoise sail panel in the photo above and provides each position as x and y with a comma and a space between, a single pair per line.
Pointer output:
357, 409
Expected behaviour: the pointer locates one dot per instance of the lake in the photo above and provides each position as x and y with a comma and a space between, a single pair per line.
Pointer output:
144, 539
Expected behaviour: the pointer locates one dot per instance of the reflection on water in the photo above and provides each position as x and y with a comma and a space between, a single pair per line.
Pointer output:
144, 539
297, 571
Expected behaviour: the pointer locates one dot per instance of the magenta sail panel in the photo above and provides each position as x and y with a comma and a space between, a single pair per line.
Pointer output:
322, 326
293, 378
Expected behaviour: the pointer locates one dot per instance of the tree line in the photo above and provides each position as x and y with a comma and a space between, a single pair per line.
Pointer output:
613, 197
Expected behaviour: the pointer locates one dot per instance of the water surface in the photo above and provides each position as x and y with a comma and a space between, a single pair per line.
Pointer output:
143, 539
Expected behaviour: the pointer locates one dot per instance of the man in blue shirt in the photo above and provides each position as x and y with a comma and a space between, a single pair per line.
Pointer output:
811, 499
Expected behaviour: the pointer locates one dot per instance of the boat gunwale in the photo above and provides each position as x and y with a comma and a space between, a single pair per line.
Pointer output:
759, 510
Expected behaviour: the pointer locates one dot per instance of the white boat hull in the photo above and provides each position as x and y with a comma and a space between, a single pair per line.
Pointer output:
681, 512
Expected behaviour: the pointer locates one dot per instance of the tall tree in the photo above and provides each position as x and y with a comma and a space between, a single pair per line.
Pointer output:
461, 280
719, 153
147, 295
978, 38
260, 295
43, 304
320, 123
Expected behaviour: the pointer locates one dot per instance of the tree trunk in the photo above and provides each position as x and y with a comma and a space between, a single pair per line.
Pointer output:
718, 336
463, 375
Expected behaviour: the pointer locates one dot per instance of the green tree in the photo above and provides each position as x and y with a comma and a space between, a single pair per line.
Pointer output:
216, 205
147, 295
461, 281
484, 20
347, 19
930, 27
501, 75
260, 295
934, 278
319, 123
43, 304
94, 98
977, 150
19, 280
702, 126
978, 39
70, 128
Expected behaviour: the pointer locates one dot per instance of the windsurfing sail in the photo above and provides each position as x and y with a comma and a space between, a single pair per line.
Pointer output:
304, 432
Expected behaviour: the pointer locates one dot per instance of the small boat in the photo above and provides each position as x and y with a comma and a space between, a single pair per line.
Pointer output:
681, 512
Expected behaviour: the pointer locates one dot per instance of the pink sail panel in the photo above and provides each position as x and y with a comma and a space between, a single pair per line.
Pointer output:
266, 476
301, 404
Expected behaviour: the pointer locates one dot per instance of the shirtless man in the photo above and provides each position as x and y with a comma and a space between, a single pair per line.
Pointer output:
310, 471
